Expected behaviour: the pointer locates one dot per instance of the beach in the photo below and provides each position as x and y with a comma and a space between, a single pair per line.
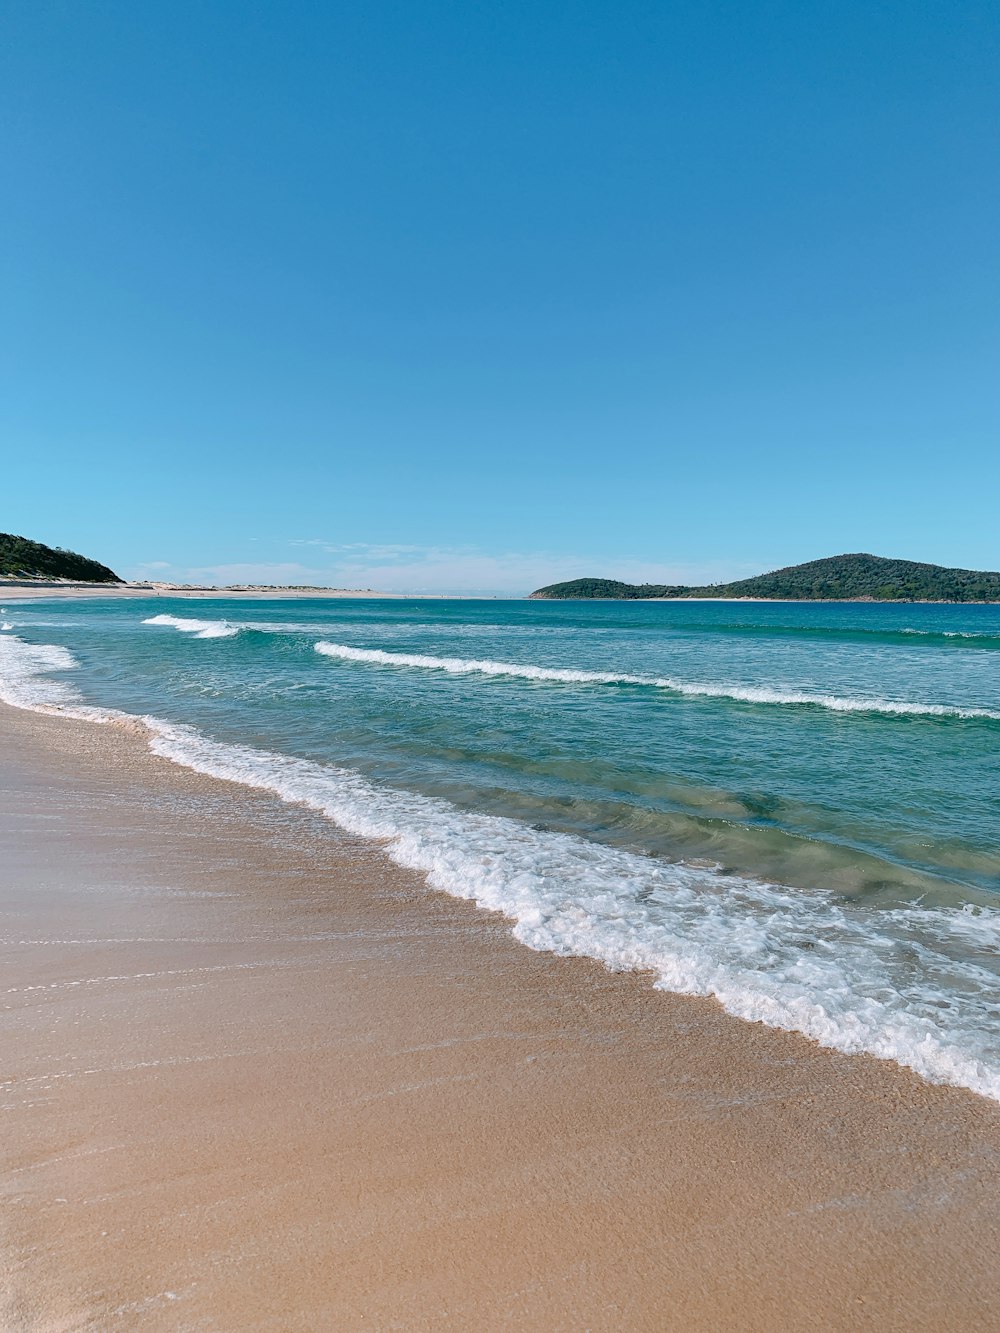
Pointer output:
258, 1076
500, 670
30, 590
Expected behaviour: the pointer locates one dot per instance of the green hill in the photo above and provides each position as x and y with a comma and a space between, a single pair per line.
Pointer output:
837, 578
21, 558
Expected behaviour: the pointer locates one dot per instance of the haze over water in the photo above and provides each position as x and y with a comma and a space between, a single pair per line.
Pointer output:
793, 807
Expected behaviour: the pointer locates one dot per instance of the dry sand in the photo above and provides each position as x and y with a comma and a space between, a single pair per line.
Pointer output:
257, 1077
16, 591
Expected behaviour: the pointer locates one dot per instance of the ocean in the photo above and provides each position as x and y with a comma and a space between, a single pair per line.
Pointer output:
794, 808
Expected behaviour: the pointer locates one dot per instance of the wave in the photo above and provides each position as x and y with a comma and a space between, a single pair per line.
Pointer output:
754, 694
976, 635
909, 984
218, 629
987, 639
26, 674
199, 629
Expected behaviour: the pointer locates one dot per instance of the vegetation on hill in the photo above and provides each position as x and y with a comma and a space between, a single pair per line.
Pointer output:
837, 578
608, 588
21, 558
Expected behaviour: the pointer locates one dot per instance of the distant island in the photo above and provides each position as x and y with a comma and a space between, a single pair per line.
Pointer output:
21, 558
838, 578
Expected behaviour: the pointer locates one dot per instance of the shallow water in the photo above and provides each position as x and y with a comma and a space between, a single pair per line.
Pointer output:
795, 808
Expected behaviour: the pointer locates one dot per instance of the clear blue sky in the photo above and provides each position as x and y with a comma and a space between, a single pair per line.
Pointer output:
444, 295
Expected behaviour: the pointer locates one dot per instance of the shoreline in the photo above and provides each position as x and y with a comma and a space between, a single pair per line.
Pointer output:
28, 591
300, 1081
22, 591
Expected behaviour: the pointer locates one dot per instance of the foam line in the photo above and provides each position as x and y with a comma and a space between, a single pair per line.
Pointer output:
795, 959
461, 666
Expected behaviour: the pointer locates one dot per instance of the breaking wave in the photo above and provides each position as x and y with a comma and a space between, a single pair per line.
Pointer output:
26, 674
199, 629
754, 694
911, 984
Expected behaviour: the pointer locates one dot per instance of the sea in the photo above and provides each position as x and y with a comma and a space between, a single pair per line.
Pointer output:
793, 808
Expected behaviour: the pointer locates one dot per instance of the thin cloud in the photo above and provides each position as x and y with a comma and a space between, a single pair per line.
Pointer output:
402, 567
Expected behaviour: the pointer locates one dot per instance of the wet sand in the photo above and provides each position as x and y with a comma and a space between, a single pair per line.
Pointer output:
255, 1076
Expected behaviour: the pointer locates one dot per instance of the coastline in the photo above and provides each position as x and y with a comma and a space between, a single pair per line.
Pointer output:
257, 1072
25, 591
774, 601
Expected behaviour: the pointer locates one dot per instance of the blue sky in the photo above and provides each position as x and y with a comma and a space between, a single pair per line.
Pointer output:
466, 295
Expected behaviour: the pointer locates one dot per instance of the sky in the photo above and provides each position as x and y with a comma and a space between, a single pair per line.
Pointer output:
475, 296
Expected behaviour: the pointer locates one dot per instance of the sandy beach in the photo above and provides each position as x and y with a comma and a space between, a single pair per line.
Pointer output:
17, 590
258, 1077
500, 669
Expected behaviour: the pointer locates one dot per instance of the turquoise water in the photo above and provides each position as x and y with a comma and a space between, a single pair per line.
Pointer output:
793, 807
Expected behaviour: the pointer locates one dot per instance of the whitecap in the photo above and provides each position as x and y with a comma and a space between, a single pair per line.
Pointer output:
199, 629
461, 666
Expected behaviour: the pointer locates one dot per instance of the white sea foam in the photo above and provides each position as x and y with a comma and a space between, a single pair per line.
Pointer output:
25, 674
221, 629
462, 666
952, 633
791, 959
6, 625
200, 629
908, 984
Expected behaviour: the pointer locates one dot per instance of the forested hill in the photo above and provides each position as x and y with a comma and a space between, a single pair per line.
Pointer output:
837, 578
21, 558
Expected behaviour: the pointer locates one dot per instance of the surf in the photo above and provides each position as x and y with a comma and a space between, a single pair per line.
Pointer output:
801, 960
198, 629
751, 694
